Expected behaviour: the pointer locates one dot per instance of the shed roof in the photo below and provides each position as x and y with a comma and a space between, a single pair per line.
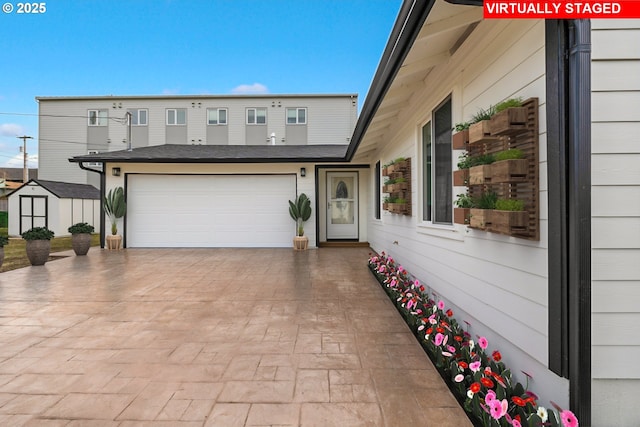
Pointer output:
67, 190
173, 153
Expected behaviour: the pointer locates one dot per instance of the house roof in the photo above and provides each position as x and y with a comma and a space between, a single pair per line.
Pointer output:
424, 35
137, 97
67, 190
173, 153
15, 174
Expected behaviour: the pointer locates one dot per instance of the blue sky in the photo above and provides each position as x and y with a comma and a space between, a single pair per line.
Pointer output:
152, 47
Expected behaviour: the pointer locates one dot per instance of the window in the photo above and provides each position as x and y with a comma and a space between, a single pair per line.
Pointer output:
176, 116
94, 164
139, 117
216, 116
296, 116
256, 116
437, 204
377, 190
98, 117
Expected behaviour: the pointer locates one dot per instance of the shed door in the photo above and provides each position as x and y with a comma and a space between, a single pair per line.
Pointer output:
210, 210
33, 212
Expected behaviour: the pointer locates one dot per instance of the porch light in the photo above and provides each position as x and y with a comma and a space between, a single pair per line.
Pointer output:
115, 171
303, 172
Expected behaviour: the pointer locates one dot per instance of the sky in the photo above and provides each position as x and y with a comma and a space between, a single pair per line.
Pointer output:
184, 47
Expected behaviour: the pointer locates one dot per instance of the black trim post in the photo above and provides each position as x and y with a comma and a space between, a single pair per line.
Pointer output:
579, 197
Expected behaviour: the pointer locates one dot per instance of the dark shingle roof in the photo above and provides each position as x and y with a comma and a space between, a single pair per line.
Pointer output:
15, 174
67, 190
172, 153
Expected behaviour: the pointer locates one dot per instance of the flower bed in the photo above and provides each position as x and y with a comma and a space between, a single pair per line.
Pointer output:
477, 377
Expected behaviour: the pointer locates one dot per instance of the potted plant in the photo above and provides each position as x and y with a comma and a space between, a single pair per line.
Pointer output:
461, 137
481, 211
81, 237
510, 117
115, 208
388, 185
4, 240
508, 217
480, 130
300, 211
480, 171
385, 203
462, 211
510, 166
38, 244
461, 176
398, 205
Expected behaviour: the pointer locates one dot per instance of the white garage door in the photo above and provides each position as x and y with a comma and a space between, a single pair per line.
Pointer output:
210, 210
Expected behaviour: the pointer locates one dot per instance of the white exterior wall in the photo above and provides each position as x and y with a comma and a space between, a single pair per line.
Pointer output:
615, 108
63, 123
498, 283
304, 184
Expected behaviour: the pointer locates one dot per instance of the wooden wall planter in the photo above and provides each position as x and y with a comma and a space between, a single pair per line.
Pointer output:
399, 208
400, 190
461, 215
508, 122
514, 170
507, 222
515, 128
460, 140
479, 175
461, 177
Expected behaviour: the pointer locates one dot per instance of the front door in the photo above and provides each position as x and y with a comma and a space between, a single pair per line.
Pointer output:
342, 205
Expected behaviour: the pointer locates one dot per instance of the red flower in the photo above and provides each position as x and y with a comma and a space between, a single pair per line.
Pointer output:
497, 356
449, 312
429, 331
475, 387
518, 401
486, 382
439, 329
462, 364
458, 338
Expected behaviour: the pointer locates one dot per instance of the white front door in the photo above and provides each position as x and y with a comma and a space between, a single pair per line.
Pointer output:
342, 205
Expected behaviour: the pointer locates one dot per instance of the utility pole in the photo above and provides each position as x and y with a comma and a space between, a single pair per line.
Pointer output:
25, 169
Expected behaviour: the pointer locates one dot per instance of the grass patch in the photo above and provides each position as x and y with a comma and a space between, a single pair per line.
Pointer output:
15, 253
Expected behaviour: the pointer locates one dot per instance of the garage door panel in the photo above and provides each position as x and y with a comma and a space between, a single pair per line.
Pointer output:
209, 210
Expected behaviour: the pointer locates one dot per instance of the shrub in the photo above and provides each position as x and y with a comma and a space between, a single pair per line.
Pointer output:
4, 240
509, 205
487, 200
4, 219
38, 233
464, 201
511, 154
81, 228
509, 103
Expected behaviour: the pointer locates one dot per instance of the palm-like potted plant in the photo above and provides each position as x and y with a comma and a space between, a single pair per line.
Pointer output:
38, 244
115, 208
4, 240
81, 237
300, 211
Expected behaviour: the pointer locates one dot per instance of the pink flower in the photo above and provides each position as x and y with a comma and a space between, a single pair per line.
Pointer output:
483, 343
451, 348
498, 408
475, 366
441, 305
459, 378
432, 319
439, 338
490, 397
568, 419
516, 423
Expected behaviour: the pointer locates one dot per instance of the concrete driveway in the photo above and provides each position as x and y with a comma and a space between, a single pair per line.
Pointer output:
211, 337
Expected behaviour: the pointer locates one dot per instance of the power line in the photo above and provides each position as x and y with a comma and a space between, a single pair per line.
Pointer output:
121, 120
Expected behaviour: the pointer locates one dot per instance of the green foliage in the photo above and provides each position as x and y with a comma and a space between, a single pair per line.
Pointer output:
459, 127
511, 154
483, 114
509, 205
4, 240
399, 159
400, 180
487, 200
38, 233
4, 219
400, 200
466, 162
300, 211
81, 228
509, 103
388, 199
389, 181
115, 207
464, 201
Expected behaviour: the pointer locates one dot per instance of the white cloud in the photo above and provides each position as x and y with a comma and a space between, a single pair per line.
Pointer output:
11, 129
170, 91
254, 88
17, 161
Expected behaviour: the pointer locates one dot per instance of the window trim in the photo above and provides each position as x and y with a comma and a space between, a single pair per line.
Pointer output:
175, 110
217, 110
137, 115
297, 123
255, 110
98, 118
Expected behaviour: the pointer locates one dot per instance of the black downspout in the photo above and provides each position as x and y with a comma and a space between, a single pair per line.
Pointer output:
103, 182
579, 210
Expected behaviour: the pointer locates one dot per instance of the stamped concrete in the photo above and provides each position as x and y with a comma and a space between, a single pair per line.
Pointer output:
211, 337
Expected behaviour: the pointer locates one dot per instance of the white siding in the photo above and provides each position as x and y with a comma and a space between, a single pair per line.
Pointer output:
616, 221
499, 284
